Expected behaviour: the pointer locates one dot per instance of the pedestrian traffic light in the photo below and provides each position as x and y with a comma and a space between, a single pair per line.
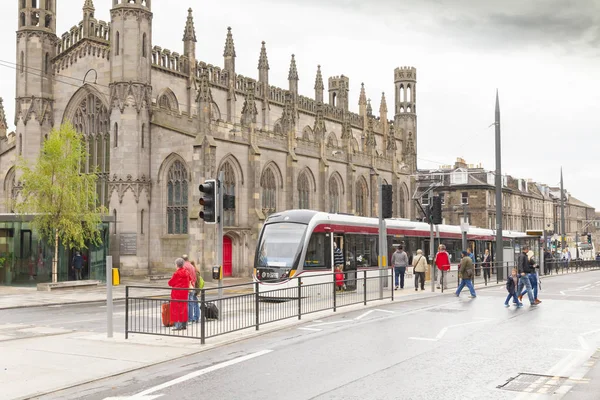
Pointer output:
228, 202
208, 200
436, 210
387, 198
589, 235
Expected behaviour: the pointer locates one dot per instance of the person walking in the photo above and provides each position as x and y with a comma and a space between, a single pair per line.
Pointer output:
486, 265
78, 265
511, 286
523, 269
192, 296
338, 263
400, 262
533, 278
466, 271
198, 285
442, 261
178, 306
419, 267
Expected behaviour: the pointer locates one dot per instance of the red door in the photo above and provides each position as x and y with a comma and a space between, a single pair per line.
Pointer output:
227, 250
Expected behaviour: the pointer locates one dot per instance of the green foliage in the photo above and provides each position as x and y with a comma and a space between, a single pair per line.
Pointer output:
63, 200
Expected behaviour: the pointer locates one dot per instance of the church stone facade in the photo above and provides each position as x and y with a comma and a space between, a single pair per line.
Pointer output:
159, 122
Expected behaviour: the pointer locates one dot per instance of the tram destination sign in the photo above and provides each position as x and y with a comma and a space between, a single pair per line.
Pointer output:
128, 244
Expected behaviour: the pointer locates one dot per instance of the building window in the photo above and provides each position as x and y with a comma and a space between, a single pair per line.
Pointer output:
46, 64
114, 222
143, 134
334, 196
142, 222
425, 201
177, 199
464, 198
22, 62
144, 51
269, 192
117, 43
402, 204
228, 189
361, 198
20, 144
116, 143
459, 177
303, 192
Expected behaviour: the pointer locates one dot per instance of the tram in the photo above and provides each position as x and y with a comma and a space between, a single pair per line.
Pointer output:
301, 243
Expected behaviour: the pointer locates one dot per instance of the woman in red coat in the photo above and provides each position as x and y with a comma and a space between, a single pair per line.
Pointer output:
179, 309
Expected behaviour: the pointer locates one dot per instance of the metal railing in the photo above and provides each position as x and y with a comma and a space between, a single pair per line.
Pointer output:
243, 307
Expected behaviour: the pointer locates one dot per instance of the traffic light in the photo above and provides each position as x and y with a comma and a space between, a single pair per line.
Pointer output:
208, 200
589, 235
436, 210
387, 198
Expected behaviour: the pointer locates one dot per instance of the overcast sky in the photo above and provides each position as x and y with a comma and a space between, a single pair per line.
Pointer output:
542, 55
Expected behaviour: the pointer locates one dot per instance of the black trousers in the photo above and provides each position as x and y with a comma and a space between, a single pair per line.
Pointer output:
420, 276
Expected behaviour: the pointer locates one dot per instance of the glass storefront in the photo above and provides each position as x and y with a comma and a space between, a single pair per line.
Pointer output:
26, 259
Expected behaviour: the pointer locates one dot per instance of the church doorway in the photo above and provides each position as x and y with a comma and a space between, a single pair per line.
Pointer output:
227, 256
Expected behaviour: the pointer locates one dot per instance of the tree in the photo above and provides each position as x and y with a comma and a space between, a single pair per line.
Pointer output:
63, 200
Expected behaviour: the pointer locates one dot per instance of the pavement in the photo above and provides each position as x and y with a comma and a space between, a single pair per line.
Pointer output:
45, 359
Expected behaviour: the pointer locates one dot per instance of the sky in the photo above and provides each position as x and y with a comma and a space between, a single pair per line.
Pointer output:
543, 57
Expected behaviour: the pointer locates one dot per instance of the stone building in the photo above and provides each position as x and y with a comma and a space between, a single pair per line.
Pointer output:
471, 190
159, 122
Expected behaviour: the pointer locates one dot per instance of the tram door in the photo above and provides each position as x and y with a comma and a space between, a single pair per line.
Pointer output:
349, 262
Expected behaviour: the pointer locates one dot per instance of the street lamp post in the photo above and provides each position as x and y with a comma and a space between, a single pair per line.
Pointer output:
499, 243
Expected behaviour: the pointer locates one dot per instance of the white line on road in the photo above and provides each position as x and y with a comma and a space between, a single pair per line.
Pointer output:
424, 338
136, 397
310, 329
202, 372
363, 315
386, 311
443, 331
331, 323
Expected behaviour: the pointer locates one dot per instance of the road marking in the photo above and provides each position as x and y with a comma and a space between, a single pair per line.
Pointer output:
310, 329
363, 315
331, 323
443, 331
136, 397
201, 372
56, 306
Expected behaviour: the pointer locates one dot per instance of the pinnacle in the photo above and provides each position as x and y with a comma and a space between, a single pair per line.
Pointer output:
383, 106
229, 47
189, 33
369, 108
263, 61
293, 75
3, 124
319, 80
362, 100
89, 4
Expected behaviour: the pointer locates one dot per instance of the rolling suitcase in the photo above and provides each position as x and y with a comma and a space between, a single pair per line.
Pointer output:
165, 312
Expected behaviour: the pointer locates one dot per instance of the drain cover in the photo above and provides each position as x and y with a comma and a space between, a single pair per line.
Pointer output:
534, 383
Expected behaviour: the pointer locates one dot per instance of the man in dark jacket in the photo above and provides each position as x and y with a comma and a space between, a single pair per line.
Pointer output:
466, 272
524, 269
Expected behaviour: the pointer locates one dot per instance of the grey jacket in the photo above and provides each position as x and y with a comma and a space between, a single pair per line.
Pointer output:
399, 259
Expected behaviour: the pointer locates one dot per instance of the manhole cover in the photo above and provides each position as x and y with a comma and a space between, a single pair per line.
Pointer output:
445, 310
534, 383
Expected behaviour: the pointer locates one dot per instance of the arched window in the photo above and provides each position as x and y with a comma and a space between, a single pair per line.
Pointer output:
228, 189
402, 204
361, 198
91, 119
117, 43
269, 192
177, 199
303, 192
116, 142
144, 51
163, 102
334, 196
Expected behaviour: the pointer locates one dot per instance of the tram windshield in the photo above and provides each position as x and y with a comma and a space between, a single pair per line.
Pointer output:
279, 245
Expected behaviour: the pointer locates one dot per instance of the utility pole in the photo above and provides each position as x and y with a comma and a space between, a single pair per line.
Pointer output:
563, 233
499, 243
464, 226
220, 218
382, 259
431, 248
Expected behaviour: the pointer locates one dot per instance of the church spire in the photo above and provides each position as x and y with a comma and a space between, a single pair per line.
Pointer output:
263, 66
319, 86
362, 101
189, 33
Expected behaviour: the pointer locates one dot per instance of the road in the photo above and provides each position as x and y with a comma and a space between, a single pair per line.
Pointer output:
442, 347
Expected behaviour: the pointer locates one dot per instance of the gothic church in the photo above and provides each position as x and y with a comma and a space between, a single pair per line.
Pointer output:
159, 122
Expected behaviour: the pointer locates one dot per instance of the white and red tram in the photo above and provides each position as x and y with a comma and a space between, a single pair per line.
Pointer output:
301, 243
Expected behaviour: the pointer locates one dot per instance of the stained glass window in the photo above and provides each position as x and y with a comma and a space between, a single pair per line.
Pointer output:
334, 196
303, 192
269, 192
228, 189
